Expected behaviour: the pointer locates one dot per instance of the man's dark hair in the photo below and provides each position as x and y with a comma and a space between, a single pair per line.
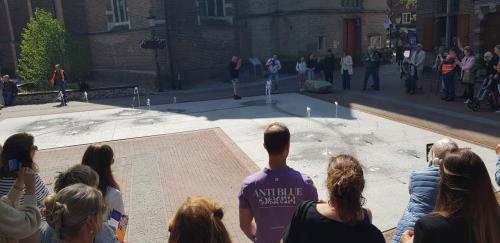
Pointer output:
276, 138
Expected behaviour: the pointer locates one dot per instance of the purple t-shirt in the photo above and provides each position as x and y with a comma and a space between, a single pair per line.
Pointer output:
273, 195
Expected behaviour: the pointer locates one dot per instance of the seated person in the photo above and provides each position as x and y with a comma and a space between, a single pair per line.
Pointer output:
423, 187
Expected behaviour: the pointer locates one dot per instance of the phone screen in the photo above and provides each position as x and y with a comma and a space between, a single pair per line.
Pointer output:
428, 149
13, 165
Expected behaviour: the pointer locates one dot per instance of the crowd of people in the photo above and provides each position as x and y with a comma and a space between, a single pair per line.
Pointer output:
451, 200
457, 72
77, 210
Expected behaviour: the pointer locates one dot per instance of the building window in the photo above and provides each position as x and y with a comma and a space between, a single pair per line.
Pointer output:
376, 41
351, 3
441, 6
119, 9
321, 43
406, 18
214, 8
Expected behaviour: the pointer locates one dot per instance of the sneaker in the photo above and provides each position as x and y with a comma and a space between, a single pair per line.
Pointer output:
237, 97
467, 101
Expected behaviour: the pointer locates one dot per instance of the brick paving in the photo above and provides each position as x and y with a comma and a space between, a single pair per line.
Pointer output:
157, 173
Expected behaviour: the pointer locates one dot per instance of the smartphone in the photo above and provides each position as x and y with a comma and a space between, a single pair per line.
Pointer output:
13, 165
428, 149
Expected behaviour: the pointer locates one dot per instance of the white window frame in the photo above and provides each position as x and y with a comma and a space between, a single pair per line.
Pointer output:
216, 9
406, 18
116, 12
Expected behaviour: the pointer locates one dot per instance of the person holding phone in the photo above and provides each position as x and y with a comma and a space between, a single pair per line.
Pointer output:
423, 186
19, 222
18, 152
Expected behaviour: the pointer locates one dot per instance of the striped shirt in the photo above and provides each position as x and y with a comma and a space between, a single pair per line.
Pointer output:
41, 190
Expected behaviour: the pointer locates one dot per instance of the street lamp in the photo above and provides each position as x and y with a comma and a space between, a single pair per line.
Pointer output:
155, 43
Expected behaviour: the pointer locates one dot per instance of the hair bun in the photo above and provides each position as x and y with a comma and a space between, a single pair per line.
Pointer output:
54, 213
219, 213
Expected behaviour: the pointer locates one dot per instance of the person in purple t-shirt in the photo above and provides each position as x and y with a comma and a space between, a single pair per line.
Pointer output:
270, 196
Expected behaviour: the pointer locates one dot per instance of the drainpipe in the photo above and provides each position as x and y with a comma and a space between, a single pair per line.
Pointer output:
11, 33
173, 82
448, 32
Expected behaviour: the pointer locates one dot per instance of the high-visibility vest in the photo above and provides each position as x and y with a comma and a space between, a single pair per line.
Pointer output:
447, 67
52, 80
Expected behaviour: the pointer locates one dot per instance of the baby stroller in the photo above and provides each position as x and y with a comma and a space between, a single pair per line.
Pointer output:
409, 74
488, 93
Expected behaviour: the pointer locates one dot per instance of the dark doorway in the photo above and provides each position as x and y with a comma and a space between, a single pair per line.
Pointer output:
489, 32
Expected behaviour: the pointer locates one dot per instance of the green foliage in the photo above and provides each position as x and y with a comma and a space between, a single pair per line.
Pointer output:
409, 3
45, 43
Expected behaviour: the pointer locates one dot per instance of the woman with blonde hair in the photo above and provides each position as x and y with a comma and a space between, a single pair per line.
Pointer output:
198, 220
77, 174
342, 218
466, 209
76, 213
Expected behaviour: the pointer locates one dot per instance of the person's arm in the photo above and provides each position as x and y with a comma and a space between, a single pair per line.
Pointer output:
469, 64
42, 191
116, 201
24, 221
238, 65
311, 193
297, 67
497, 173
247, 224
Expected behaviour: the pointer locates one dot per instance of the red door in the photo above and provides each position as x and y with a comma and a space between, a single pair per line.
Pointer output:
350, 40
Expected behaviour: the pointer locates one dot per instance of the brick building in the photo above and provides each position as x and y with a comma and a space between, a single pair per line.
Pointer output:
298, 27
474, 22
202, 34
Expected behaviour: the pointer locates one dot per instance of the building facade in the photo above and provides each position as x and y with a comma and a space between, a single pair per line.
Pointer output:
293, 28
474, 23
403, 19
202, 35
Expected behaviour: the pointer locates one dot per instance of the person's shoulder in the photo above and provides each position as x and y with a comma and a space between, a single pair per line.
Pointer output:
372, 233
255, 177
300, 176
432, 222
107, 235
111, 191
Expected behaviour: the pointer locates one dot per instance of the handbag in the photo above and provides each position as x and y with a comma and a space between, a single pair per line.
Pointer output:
467, 77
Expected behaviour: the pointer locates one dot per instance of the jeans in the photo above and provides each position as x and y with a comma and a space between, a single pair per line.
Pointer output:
8, 97
372, 71
449, 85
61, 89
346, 80
310, 74
275, 78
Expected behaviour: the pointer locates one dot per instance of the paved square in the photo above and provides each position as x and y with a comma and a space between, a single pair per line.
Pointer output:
389, 150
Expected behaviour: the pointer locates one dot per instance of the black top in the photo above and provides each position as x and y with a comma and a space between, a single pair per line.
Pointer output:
438, 229
330, 62
491, 65
308, 225
311, 63
232, 70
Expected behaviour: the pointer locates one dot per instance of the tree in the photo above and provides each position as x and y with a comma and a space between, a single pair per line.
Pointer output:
44, 42
409, 3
